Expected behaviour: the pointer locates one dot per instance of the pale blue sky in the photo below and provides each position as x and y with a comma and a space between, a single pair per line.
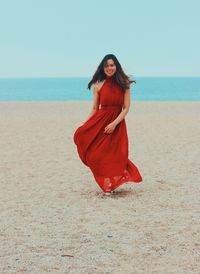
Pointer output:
70, 38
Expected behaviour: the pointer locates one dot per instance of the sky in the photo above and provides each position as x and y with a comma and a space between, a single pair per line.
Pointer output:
62, 38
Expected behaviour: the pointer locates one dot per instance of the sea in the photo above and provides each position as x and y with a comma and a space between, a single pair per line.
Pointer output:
75, 88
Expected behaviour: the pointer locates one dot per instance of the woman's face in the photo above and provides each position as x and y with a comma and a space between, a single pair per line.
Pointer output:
110, 68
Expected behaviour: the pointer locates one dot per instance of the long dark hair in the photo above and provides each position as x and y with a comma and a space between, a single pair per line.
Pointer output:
119, 77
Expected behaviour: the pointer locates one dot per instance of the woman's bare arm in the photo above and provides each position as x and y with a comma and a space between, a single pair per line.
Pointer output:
95, 105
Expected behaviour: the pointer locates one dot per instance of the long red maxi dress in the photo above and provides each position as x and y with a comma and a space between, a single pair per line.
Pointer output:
107, 154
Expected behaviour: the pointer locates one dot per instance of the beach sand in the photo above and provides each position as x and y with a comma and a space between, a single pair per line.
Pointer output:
54, 217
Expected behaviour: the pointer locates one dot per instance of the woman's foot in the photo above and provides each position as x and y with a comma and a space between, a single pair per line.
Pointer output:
109, 192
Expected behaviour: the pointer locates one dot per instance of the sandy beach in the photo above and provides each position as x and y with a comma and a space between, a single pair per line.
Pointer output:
55, 219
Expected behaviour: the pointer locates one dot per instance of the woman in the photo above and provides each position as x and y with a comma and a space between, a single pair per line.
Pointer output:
102, 141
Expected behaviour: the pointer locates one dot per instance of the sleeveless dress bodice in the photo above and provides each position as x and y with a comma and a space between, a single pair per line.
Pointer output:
111, 94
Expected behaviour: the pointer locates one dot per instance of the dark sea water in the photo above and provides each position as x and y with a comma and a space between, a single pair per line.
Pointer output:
65, 89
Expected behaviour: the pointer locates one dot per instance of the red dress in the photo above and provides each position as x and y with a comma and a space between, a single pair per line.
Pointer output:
107, 154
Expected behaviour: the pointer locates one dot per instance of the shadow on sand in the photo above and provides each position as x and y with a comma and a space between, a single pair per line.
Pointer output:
123, 193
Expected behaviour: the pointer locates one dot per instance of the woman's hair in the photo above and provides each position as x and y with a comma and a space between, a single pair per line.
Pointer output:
119, 77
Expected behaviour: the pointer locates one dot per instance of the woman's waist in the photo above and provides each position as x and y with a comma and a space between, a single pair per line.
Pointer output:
111, 107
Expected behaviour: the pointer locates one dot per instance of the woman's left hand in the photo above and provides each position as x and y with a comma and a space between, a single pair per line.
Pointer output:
110, 128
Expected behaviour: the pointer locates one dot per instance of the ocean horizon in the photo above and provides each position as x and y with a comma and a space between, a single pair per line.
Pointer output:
149, 88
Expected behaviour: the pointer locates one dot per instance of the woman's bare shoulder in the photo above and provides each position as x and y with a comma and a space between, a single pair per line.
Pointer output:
98, 85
